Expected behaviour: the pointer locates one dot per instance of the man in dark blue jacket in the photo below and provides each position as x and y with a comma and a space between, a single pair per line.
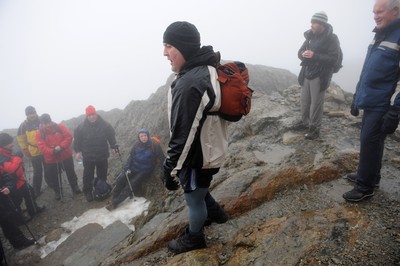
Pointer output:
92, 139
375, 88
145, 155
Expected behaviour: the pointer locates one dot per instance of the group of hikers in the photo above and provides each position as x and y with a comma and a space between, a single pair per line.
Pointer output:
198, 141
49, 147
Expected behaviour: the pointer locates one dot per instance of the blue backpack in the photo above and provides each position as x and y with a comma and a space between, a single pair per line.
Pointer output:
101, 189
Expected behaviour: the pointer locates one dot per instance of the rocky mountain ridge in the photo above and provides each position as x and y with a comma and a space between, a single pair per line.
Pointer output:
282, 192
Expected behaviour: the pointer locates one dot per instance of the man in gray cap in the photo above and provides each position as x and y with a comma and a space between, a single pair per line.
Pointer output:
318, 54
26, 141
198, 141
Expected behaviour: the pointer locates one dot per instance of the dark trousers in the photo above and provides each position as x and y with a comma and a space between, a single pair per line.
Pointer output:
53, 174
8, 223
25, 193
371, 151
38, 166
122, 190
89, 168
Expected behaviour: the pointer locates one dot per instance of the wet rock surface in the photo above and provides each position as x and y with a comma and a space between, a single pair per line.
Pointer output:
283, 193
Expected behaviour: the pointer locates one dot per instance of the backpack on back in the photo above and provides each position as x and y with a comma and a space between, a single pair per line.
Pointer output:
338, 65
236, 96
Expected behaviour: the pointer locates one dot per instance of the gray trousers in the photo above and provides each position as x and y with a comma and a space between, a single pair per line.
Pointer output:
312, 103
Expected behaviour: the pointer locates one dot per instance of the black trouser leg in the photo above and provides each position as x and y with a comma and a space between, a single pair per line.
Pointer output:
37, 165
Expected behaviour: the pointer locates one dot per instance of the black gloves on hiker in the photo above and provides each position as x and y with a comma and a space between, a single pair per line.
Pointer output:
353, 109
57, 150
169, 182
390, 120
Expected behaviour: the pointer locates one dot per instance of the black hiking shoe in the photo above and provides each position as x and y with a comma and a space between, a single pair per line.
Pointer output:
352, 178
187, 242
216, 215
89, 197
313, 133
110, 206
355, 196
298, 125
24, 243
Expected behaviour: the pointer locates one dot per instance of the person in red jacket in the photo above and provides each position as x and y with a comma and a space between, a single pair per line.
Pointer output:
14, 166
54, 142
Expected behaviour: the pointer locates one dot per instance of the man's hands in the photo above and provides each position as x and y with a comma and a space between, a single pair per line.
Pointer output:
169, 182
57, 150
390, 120
353, 109
5, 190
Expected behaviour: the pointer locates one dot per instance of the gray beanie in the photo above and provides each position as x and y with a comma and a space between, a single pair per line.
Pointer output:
320, 17
184, 36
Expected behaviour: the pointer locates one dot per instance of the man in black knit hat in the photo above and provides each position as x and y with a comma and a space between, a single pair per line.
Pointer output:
26, 141
198, 141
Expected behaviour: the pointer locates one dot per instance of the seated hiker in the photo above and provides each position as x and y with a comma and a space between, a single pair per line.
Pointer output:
144, 156
13, 165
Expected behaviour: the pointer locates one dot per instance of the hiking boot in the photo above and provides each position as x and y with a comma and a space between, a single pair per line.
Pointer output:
89, 197
355, 196
353, 176
24, 243
110, 206
187, 242
313, 133
298, 125
217, 215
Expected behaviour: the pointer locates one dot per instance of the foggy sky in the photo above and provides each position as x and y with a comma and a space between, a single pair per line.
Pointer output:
62, 55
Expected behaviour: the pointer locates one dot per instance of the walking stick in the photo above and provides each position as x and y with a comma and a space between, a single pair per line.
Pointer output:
3, 254
126, 175
23, 221
59, 174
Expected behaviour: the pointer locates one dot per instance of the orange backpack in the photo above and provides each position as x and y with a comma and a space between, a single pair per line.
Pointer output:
235, 94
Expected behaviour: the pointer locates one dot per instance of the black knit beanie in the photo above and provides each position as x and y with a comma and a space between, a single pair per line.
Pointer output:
30, 110
184, 36
5, 139
45, 119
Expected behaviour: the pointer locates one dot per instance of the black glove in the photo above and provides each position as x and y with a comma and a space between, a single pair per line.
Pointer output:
169, 182
57, 150
353, 109
390, 120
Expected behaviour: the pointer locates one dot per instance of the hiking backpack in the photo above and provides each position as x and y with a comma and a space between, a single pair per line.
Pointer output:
236, 96
101, 189
338, 65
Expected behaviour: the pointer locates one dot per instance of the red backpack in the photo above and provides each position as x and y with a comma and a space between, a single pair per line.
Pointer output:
235, 94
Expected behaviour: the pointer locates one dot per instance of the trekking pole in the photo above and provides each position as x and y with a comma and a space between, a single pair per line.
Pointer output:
59, 174
23, 221
126, 175
3, 254
31, 198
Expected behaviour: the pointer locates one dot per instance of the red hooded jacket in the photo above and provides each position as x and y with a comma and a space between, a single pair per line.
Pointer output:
12, 165
49, 137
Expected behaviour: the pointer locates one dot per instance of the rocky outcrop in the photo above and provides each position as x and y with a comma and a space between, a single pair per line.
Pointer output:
283, 193
266, 158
